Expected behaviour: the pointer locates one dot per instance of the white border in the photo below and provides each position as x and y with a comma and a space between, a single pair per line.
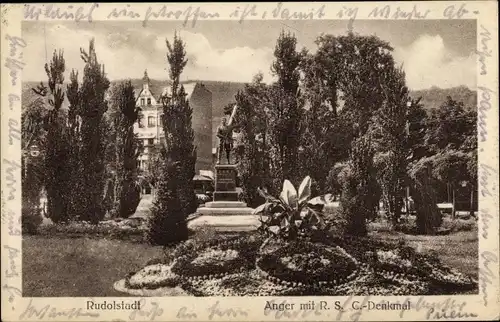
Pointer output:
484, 306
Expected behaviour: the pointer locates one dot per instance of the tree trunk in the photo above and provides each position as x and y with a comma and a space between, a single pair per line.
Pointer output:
425, 203
453, 203
448, 191
407, 201
471, 200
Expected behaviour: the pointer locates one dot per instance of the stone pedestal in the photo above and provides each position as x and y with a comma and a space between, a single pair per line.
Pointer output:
225, 212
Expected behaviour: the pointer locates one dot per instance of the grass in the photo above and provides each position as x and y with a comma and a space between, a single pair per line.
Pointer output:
458, 250
57, 266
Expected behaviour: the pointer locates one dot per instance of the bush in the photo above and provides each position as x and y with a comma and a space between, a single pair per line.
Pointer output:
456, 225
124, 230
360, 191
168, 222
31, 220
294, 214
129, 200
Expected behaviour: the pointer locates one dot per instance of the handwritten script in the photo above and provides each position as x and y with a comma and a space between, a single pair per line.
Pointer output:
485, 50
148, 311
387, 12
486, 273
12, 255
218, 312
14, 62
47, 311
484, 106
54, 12
192, 14
11, 167
12, 221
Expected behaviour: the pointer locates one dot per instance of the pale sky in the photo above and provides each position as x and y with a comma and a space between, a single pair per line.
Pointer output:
434, 52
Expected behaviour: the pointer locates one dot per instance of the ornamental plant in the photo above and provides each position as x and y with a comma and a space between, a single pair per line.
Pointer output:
294, 214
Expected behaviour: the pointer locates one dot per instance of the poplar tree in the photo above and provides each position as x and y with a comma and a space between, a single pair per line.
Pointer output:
285, 111
127, 150
75, 206
56, 170
175, 198
92, 108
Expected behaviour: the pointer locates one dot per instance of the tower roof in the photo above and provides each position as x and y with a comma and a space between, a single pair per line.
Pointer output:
145, 79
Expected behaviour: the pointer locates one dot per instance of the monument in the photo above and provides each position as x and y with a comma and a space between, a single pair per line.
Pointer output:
226, 210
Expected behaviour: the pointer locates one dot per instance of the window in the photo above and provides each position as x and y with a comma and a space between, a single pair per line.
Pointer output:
149, 101
142, 101
160, 120
141, 125
151, 121
151, 141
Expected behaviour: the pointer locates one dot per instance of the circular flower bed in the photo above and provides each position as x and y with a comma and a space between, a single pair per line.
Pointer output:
307, 263
445, 278
348, 266
248, 283
214, 261
153, 276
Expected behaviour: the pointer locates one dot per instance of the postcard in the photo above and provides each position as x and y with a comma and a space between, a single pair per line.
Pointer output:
307, 161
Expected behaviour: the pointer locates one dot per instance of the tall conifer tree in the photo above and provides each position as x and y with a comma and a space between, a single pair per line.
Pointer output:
56, 176
93, 106
175, 198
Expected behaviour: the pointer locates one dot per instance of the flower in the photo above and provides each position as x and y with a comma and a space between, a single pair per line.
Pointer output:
215, 256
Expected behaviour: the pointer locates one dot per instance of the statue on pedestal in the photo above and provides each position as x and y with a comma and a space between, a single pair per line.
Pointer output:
225, 136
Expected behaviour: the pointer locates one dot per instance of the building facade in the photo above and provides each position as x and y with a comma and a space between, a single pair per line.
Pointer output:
149, 128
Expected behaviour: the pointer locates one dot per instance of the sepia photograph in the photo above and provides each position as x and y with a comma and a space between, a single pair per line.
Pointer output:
269, 158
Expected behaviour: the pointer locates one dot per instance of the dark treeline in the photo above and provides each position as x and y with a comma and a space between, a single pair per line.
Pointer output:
344, 116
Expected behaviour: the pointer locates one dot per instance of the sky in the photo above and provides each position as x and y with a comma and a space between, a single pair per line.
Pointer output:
433, 52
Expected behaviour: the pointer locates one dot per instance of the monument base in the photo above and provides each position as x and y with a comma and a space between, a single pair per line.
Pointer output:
225, 212
225, 204
225, 208
225, 223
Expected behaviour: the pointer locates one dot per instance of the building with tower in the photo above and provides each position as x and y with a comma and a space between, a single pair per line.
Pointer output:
149, 128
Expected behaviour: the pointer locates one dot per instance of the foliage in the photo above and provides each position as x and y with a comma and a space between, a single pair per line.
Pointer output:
450, 166
168, 223
127, 149
175, 198
31, 220
390, 133
360, 192
293, 214
74, 121
56, 177
284, 111
127, 229
450, 126
92, 109
333, 183
417, 127
428, 216
253, 168
33, 173
324, 140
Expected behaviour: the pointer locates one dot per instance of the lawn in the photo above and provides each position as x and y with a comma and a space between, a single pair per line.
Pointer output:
55, 266
458, 250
